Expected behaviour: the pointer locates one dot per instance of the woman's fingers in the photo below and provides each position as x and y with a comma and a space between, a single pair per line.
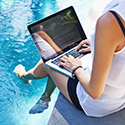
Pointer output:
69, 62
63, 59
82, 43
88, 49
62, 64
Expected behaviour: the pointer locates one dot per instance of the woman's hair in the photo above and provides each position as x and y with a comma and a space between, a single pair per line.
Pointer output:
37, 28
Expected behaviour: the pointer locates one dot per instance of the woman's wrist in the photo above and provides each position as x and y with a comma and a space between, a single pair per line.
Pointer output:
75, 70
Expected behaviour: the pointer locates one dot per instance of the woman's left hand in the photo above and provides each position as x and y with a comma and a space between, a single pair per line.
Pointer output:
70, 63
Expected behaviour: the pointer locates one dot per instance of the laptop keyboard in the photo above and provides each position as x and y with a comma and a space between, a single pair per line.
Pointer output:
73, 52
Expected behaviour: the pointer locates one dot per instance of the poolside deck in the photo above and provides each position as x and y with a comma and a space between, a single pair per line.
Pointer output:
64, 113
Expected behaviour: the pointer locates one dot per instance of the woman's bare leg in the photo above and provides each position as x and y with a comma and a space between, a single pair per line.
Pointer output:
59, 79
33, 74
36, 73
49, 87
43, 102
54, 78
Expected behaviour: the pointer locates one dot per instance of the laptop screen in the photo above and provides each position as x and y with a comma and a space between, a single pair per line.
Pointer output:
57, 33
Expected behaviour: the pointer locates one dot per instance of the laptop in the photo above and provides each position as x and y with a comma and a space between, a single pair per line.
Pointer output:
58, 35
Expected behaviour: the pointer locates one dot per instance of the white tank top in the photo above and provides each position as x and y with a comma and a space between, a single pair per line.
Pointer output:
113, 98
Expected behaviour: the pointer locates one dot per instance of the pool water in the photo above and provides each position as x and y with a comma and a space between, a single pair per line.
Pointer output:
17, 47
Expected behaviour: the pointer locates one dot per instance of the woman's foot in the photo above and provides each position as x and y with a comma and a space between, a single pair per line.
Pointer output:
41, 105
20, 72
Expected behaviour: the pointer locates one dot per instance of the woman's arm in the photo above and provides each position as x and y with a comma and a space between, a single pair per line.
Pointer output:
46, 37
108, 38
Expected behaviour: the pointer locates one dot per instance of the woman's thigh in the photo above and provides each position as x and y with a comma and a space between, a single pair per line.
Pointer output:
59, 79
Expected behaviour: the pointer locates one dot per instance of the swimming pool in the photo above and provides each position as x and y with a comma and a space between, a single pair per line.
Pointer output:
16, 47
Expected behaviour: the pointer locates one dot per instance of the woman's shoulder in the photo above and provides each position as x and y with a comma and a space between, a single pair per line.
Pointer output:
108, 25
106, 19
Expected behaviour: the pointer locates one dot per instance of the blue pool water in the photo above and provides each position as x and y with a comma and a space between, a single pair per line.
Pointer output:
17, 47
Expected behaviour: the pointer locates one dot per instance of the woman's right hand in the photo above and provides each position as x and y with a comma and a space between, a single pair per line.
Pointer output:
83, 50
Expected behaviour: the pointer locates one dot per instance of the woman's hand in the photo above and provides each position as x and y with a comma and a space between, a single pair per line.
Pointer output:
88, 49
70, 63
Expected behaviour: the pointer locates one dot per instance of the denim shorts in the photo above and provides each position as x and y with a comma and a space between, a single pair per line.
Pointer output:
72, 84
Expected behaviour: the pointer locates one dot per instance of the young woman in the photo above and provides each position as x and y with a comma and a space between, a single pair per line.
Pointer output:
100, 90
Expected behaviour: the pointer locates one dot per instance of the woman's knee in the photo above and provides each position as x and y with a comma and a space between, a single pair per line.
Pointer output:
40, 69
